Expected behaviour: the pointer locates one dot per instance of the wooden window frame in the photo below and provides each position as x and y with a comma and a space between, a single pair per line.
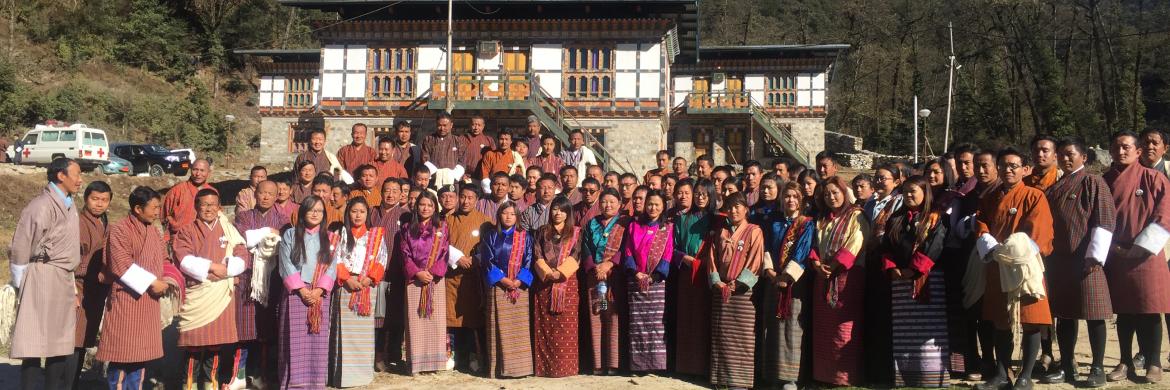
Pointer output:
298, 91
392, 73
298, 136
589, 72
780, 90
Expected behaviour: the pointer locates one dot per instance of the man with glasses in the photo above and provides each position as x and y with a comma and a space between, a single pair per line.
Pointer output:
1014, 208
588, 207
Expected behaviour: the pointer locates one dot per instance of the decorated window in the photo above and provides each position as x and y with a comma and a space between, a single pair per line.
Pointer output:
298, 136
298, 92
589, 72
392, 72
780, 91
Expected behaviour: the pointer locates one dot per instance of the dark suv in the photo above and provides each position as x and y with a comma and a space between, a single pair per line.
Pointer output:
153, 159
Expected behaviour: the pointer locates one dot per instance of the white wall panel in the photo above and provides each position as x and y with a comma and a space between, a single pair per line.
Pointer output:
717, 86
355, 85
431, 57
331, 84
266, 84
333, 57
649, 85
265, 99
547, 58
804, 98
492, 64
818, 81
277, 99
422, 84
278, 84
626, 56
683, 83
818, 98
355, 57
625, 86
316, 89
753, 82
804, 81
551, 82
651, 58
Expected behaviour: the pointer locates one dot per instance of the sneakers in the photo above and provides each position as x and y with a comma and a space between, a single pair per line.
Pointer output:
236, 384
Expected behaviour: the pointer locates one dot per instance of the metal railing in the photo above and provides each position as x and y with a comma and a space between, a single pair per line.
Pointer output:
741, 102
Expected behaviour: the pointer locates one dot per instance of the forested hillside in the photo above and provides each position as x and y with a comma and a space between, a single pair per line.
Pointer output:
1064, 67
162, 70
143, 69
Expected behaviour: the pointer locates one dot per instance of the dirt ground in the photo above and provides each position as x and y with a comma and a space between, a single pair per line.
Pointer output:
20, 184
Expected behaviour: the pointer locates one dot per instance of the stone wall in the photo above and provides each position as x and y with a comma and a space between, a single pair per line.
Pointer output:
843, 143
810, 132
633, 142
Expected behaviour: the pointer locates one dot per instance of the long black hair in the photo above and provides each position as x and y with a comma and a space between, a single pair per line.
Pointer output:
562, 204
298, 252
416, 221
948, 173
899, 221
705, 186
349, 238
662, 197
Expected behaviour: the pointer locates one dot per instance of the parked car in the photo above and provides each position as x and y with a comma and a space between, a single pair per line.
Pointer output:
116, 166
52, 140
153, 159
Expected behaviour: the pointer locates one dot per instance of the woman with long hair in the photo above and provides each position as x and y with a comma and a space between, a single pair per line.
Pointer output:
945, 199
308, 273
886, 200
839, 287
423, 246
693, 219
506, 255
360, 254
788, 241
555, 297
646, 255
912, 245
734, 260
605, 286
808, 181
768, 202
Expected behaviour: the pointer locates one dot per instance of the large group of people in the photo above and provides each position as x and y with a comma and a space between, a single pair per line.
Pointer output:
508, 257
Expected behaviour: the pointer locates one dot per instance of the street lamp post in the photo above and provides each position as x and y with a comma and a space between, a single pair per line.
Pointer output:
923, 114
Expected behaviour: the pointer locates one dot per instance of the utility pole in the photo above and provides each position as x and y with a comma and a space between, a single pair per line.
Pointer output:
914, 117
950, 88
450, 57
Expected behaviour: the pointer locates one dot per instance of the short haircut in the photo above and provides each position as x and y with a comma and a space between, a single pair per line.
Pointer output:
1147, 132
322, 179
751, 164
862, 177
59, 165
782, 161
392, 180
662, 153
141, 196
1042, 137
534, 168
385, 139
99, 186
204, 193
577, 131
567, 168
1010, 151
517, 178
402, 124
548, 177
258, 168
965, 148
501, 175
505, 131
474, 117
357, 173
357, 125
707, 158
1125, 133
316, 131
590, 180
442, 115
474, 189
825, 154
340, 185
627, 175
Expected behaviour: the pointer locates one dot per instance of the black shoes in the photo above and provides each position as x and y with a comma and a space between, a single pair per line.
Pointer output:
1022, 384
996, 383
1056, 375
1096, 377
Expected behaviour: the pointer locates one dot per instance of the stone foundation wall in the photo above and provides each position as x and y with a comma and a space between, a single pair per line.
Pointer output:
632, 142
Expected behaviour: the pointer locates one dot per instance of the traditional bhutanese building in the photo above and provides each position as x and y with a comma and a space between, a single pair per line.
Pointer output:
632, 74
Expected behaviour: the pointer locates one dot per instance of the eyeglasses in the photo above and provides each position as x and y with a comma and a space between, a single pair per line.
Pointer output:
882, 179
1013, 167
589, 190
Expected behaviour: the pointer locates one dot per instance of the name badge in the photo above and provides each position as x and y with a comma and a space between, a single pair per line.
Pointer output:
1139, 192
223, 241
454, 148
475, 233
1013, 211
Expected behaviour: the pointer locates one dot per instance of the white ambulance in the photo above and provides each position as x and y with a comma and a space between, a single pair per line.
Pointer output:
53, 140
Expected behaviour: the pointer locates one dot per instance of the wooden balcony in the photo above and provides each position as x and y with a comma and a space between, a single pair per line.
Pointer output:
483, 90
719, 103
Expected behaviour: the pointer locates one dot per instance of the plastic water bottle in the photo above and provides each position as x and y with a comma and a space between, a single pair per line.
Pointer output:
602, 289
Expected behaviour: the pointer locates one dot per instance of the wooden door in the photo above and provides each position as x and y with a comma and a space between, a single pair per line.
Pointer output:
701, 139
700, 92
463, 67
516, 74
734, 96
